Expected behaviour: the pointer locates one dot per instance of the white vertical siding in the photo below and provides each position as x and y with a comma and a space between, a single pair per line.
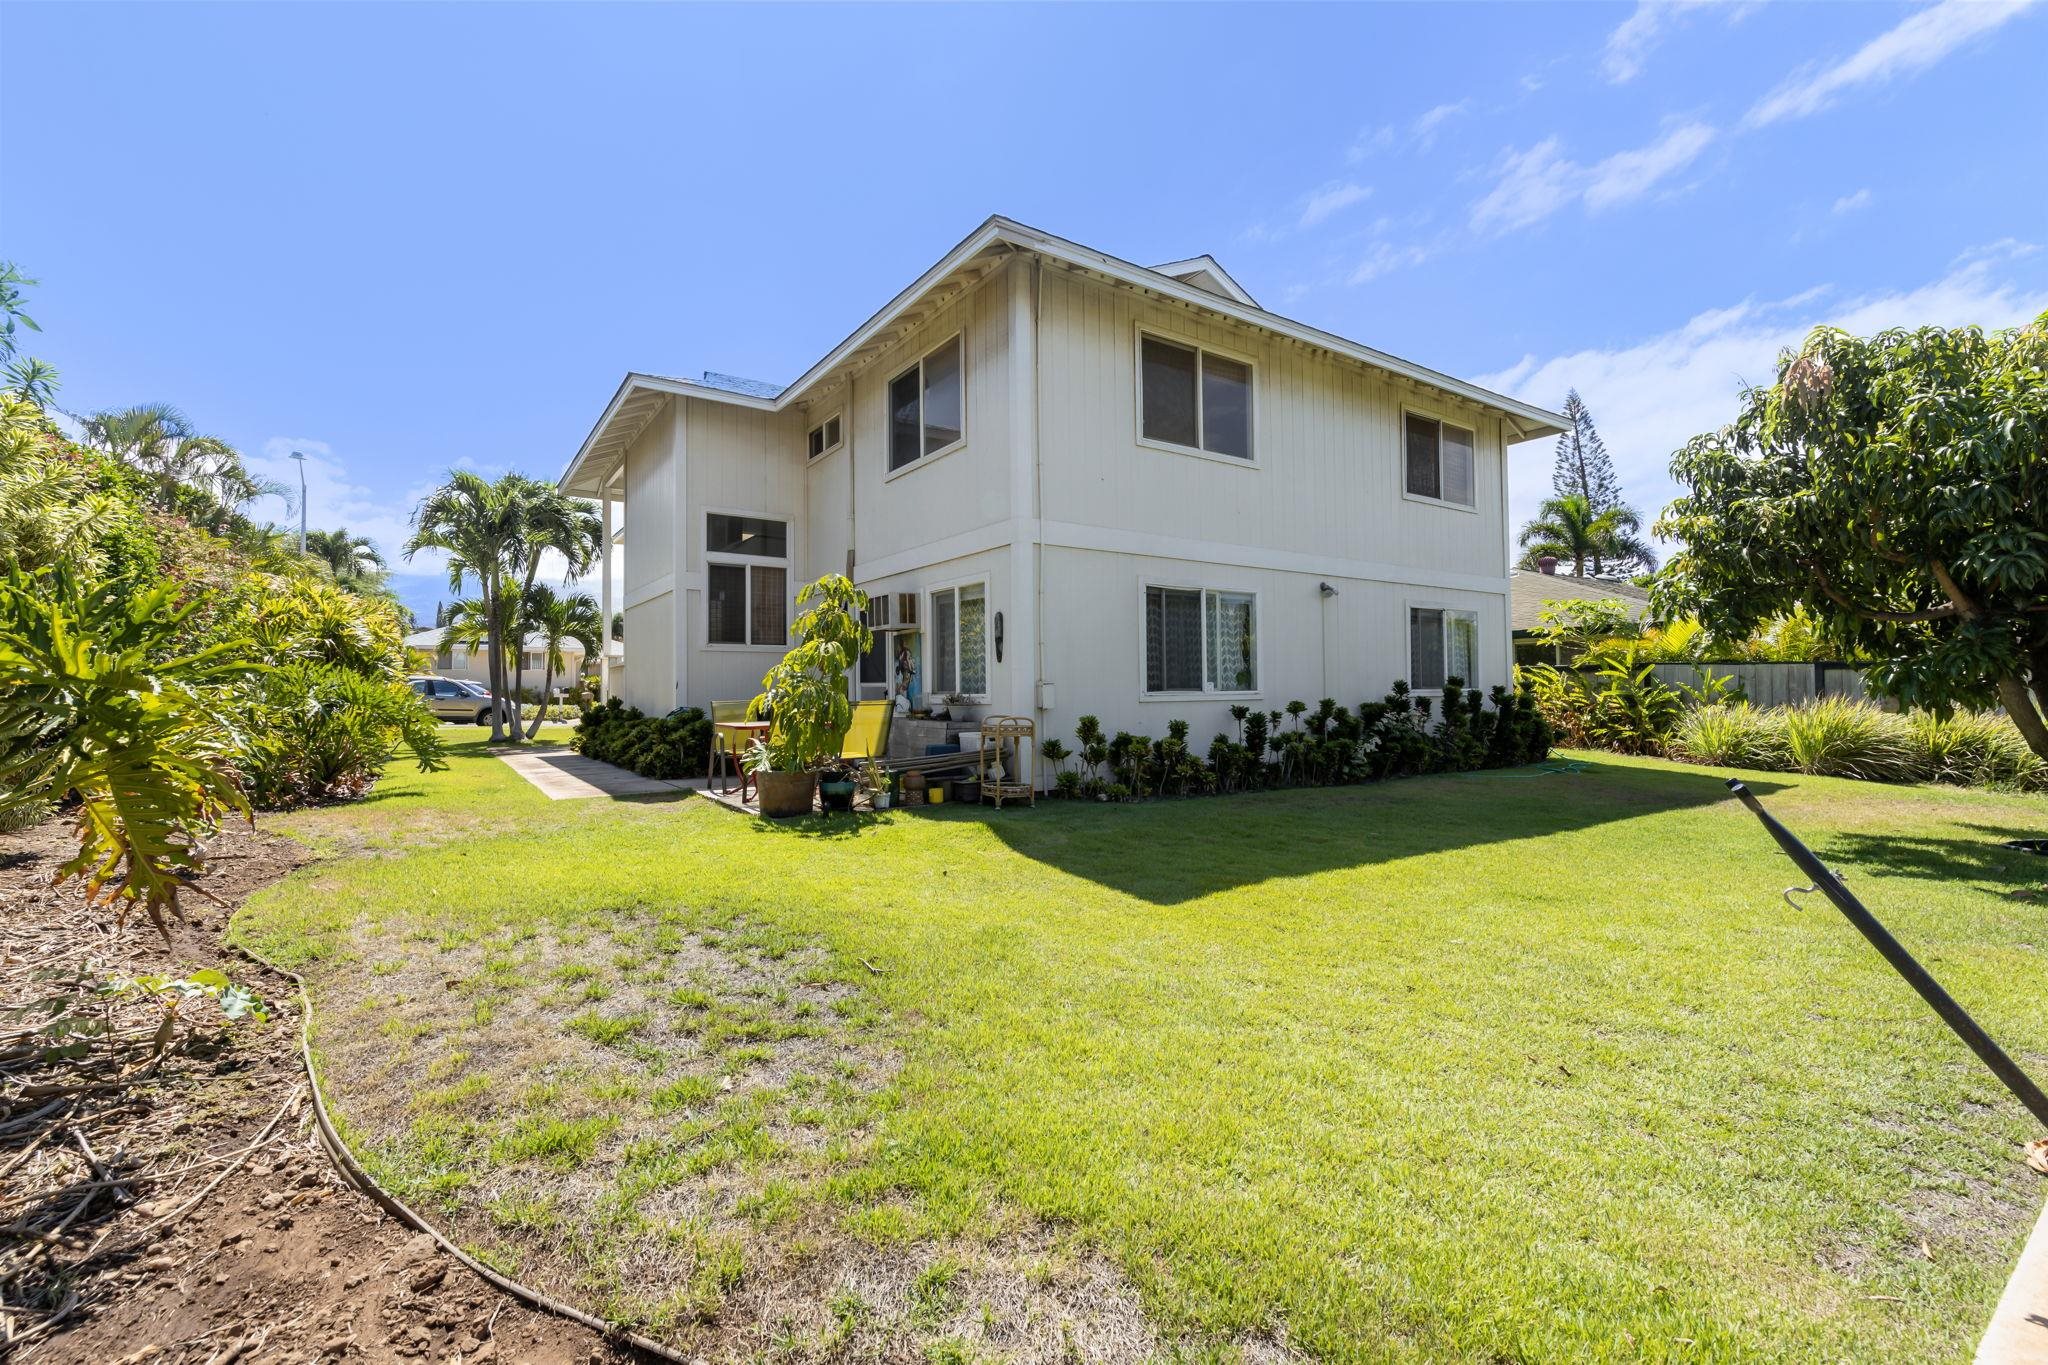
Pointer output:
1327, 477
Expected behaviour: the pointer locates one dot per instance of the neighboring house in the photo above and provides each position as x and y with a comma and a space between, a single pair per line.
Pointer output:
475, 667
1535, 589
1071, 485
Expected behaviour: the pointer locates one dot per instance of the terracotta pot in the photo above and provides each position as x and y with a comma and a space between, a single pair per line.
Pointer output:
785, 794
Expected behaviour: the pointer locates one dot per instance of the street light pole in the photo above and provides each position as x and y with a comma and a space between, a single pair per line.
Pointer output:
301, 458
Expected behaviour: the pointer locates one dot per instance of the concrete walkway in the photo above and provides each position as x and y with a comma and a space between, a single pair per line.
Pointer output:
562, 774
2019, 1329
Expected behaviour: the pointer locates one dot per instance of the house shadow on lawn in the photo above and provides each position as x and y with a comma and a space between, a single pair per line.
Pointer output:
1981, 857
1170, 851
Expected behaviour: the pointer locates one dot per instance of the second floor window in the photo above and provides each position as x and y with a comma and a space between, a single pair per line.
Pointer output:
1194, 398
926, 404
746, 580
1439, 458
824, 437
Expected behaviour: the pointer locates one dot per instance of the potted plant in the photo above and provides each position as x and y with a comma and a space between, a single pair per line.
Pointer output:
806, 693
836, 785
876, 782
960, 708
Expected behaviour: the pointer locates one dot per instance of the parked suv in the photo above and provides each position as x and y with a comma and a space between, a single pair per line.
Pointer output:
459, 701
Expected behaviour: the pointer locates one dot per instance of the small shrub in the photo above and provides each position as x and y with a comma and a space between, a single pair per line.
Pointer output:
663, 747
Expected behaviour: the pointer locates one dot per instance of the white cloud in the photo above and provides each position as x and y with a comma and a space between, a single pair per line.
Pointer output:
1531, 185
1331, 198
1369, 142
1385, 257
1630, 175
1852, 203
1914, 44
1426, 123
1628, 46
1650, 397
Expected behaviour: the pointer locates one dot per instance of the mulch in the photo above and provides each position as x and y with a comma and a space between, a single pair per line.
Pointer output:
177, 1206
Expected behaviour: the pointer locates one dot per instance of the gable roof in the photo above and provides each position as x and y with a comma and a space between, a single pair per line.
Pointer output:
640, 397
1530, 591
1204, 273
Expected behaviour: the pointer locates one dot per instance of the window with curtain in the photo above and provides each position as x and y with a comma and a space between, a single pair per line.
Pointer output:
1200, 641
959, 640
927, 405
1441, 644
1195, 398
746, 580
1439, 459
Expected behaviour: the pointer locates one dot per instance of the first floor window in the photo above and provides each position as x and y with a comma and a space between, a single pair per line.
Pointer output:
1198, 640
960, 641
1195, 398
925, 406
1441, 644
1439, 458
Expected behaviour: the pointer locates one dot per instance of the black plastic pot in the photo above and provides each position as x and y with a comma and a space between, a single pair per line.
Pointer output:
836, 794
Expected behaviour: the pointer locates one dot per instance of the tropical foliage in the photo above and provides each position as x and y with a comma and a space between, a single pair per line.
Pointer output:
806, 691
1894, 489
1834, 737
665, 747
163, 661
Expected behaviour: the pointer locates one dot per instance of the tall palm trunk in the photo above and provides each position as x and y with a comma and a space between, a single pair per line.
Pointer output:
547, 685
494, 641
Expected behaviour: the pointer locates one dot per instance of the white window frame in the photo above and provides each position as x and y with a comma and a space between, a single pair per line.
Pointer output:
1401, 442
924, 353
711, 557
930, 630
1207, 692
1449, 609
817, 429
1200, 348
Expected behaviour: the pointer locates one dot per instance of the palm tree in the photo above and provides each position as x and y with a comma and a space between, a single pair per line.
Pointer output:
156, 440
1568, 528
482, 526
351, 559
553, 620
552, 520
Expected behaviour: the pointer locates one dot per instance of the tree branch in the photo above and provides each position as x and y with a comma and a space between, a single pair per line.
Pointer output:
1940, 613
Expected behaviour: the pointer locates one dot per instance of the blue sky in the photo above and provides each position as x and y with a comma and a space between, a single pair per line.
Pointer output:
406, 237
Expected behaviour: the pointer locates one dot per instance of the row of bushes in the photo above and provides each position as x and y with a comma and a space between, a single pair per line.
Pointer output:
1328, 745
1834, 737
665, 747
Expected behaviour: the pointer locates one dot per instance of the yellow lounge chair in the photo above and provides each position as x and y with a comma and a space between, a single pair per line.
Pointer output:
722, 741
868, 736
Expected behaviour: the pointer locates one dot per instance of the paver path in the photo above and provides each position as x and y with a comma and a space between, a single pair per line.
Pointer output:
562, 774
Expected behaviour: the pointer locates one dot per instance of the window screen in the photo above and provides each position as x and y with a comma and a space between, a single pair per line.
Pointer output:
725, 603
906, 423
1173, 640
768, 605
1226, 407
1424, 477
1169, 384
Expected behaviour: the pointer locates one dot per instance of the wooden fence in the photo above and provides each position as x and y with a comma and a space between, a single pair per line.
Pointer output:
1769, 684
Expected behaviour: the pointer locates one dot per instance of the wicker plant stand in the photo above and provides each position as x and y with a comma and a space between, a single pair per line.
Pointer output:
1019, 782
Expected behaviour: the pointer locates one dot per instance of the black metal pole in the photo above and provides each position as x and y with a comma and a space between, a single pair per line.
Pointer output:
1952, 1014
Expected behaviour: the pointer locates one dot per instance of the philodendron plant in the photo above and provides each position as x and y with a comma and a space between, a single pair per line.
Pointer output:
805, 693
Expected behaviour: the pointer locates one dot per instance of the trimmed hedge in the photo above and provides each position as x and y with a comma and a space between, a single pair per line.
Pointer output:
665, 747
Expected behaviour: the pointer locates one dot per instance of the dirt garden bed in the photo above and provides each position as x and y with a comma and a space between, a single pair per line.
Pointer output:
187, 1212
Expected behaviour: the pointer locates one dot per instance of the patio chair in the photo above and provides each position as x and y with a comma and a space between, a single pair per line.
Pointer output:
868, 736
721, 742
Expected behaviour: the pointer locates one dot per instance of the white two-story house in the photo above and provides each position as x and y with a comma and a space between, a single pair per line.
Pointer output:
1071, 485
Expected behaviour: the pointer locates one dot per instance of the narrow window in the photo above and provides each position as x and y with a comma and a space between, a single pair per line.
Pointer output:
1439, 460
1233, 643
927, 406
974, 640
746, 580
1170, 401
945, 643
1194, 398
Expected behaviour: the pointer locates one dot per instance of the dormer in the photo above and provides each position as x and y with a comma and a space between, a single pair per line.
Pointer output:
1204, 273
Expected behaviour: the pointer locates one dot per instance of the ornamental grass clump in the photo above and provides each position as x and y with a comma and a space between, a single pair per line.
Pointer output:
1834, 737
1973, 749
1737, 736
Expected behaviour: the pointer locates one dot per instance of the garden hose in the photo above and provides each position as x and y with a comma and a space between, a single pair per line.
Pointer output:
353, 1173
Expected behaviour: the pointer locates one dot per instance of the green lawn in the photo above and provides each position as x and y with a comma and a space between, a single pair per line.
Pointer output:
1497, 1066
